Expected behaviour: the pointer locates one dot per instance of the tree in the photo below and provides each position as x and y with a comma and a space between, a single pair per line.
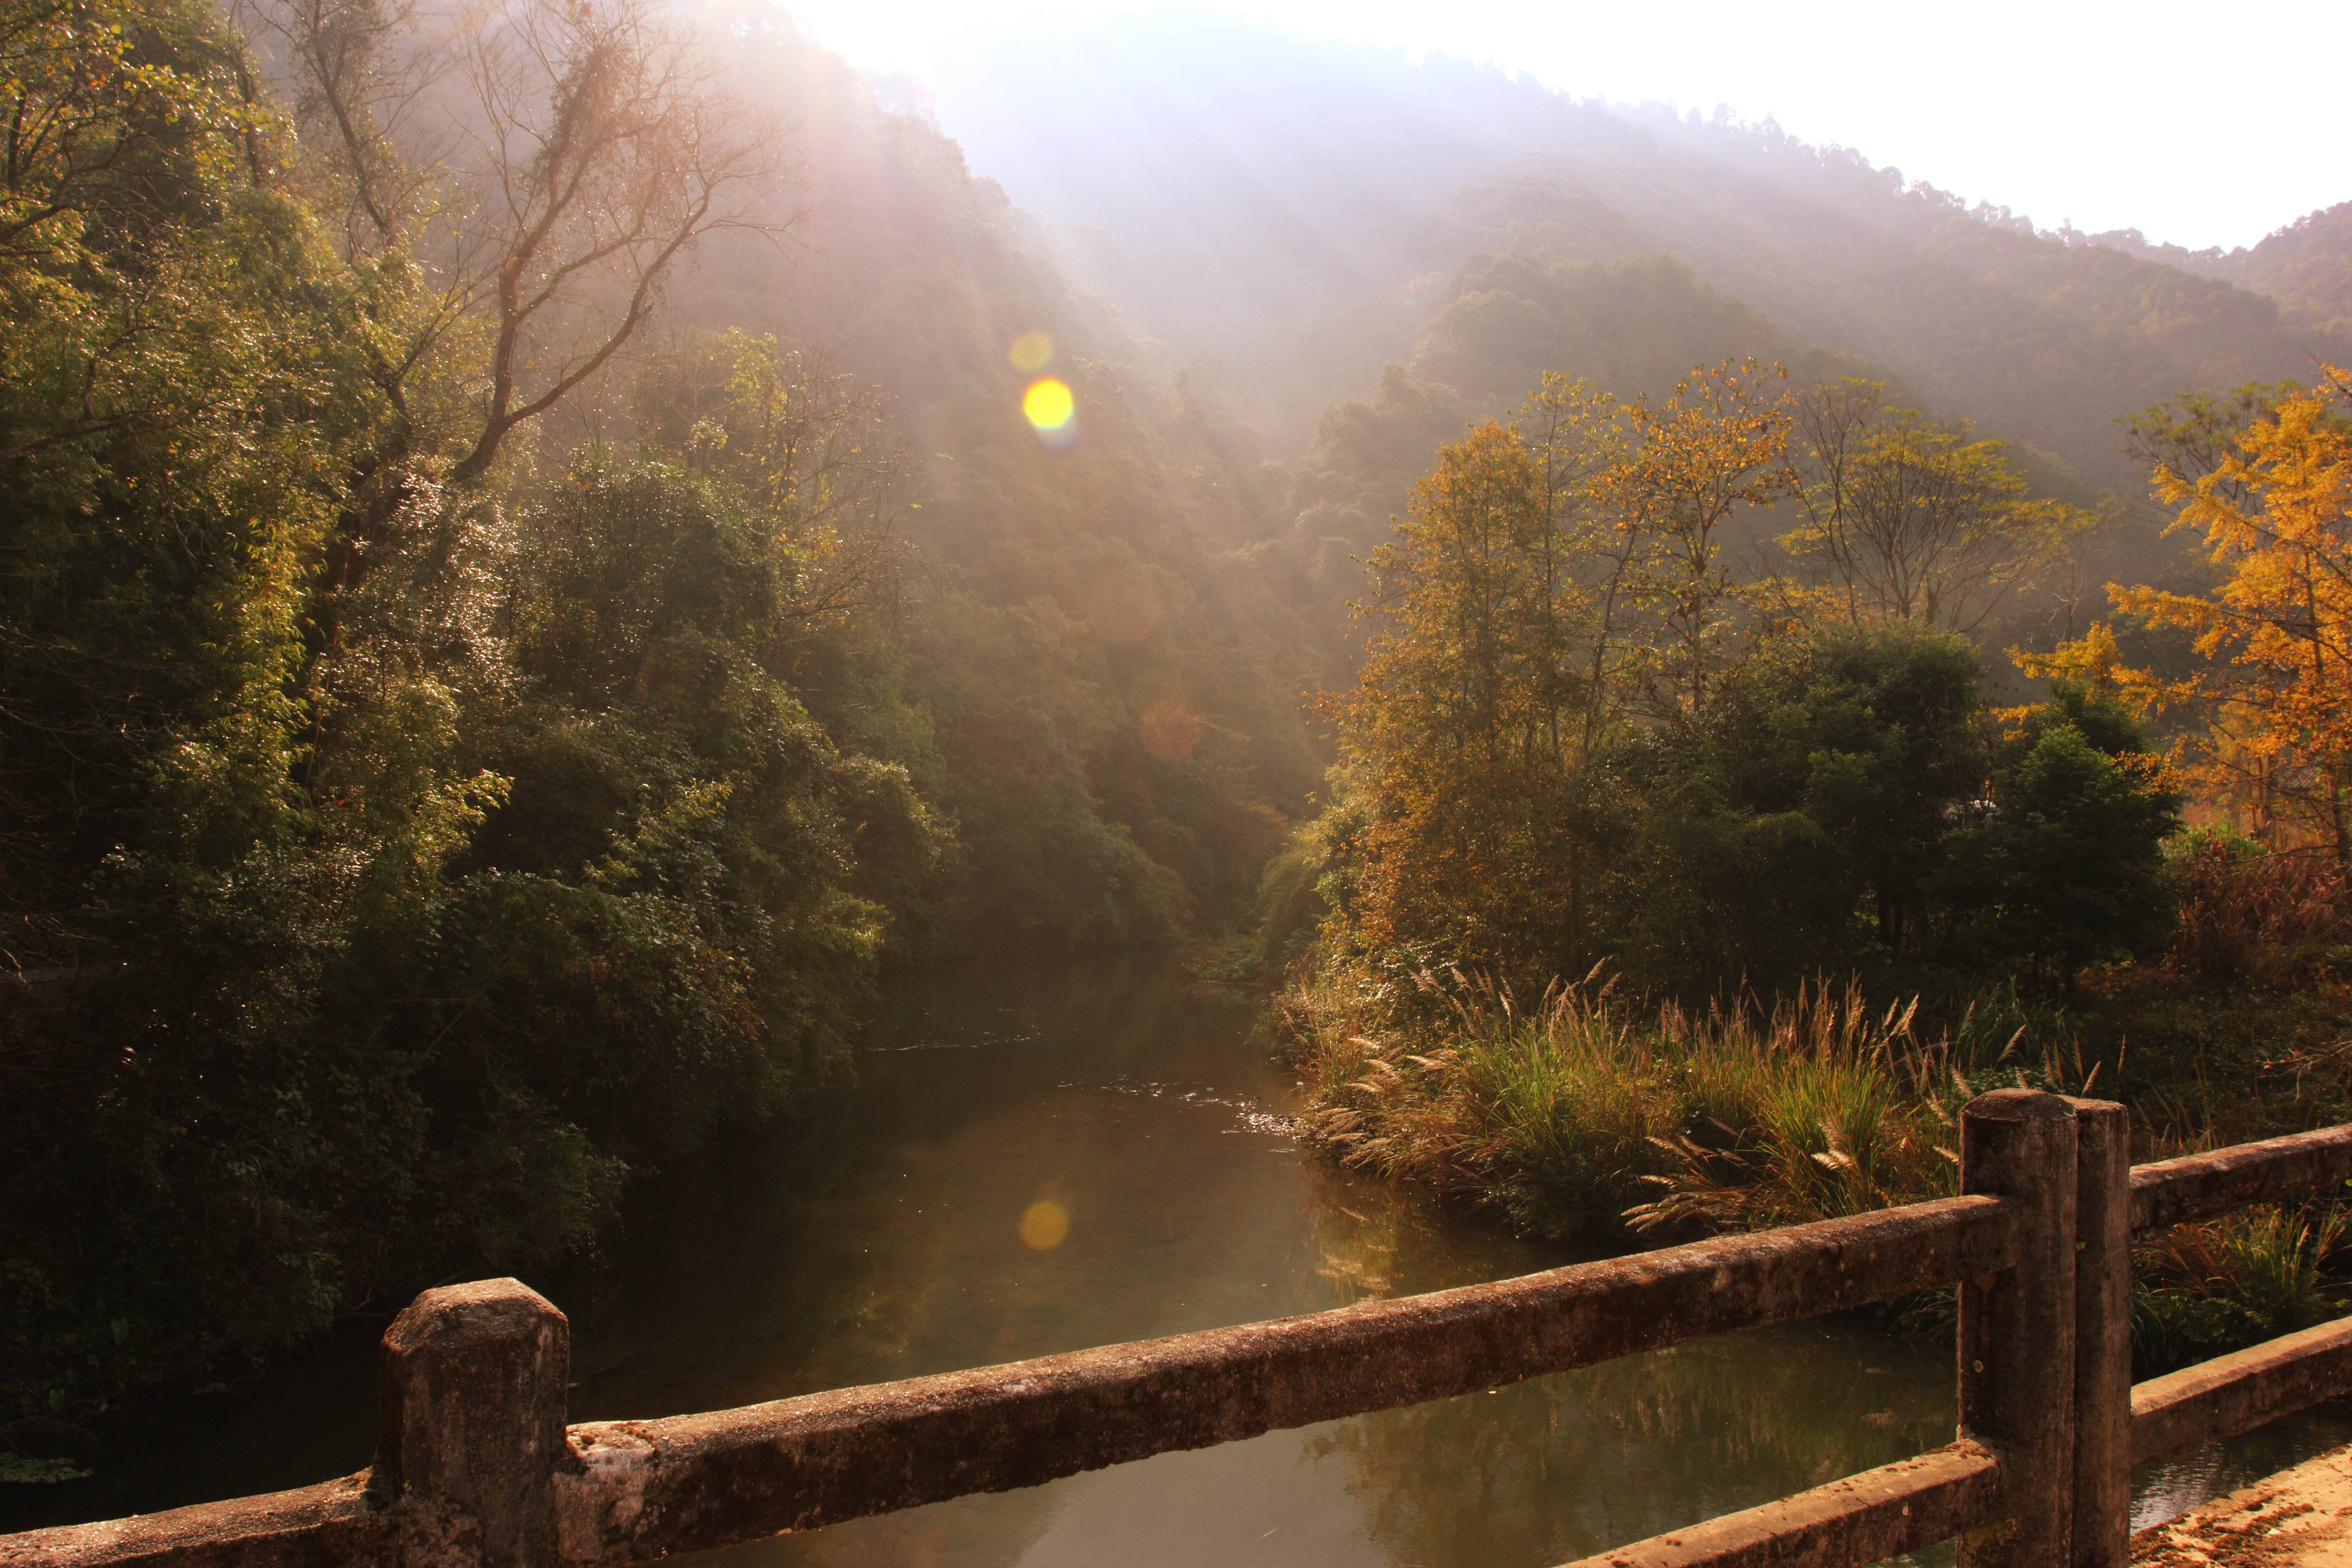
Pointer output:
251, 672
1719, 444
811, 448
602, 153
1873, 733
2063, 864
1791, 828
515, 257
1465, 720
1542, 591
1916, 518
2273, 639
1579, 435
175, 379
167, 331
2195, 434
117, 116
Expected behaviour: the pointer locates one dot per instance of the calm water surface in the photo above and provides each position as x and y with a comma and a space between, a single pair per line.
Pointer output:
884, 1238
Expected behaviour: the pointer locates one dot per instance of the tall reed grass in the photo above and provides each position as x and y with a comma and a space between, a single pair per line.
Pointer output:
1585, 1113
2204, 1289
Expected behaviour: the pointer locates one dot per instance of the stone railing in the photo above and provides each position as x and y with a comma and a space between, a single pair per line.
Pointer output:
475, 1468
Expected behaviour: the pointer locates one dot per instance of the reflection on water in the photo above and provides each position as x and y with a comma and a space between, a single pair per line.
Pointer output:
1039, 1161
2172, 1488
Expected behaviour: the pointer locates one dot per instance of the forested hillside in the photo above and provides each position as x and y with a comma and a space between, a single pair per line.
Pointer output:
1354, 254
1059, 593
2305, 265
527, 579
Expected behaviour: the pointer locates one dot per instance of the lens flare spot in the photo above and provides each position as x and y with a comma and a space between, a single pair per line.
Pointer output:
1048, 404
1031, 351
1171, 729
1044, 1226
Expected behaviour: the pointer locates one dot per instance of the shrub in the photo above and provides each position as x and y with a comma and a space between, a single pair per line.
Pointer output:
2214, 1285
2244, 908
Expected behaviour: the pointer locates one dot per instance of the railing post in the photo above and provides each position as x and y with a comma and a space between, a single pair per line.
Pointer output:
471, 1418
2017, 1328
2103, 1371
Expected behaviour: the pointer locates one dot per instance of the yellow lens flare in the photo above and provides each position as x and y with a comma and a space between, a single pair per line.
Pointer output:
1030, 351
1048, 404
1044, 1226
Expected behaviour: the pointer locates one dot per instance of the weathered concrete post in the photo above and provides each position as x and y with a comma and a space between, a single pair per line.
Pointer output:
471, 1416
2017, 1328
2103, 1372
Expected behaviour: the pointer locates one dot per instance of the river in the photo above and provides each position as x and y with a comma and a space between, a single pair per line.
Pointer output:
1039, 1158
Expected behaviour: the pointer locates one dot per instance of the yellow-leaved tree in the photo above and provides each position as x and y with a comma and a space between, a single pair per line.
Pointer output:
1718, 445
1468, 709
2273, 675
1916, 518
1552, 582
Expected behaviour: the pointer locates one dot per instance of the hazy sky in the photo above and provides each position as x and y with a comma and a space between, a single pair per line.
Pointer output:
2204, 124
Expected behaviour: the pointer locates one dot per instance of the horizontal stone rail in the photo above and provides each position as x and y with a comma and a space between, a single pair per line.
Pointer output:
2277, 1170
2233, 1393
325, 1526
630, 1490
476, 1467
691, 1482
1869, 1517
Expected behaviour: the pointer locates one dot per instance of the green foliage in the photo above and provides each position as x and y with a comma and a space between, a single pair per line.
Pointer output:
1633, 325
659, 760
2063, 865
1575, 740
2212, 1286
403, 849
1793, 829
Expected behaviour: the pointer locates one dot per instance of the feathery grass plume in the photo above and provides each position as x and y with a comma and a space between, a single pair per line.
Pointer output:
1590, 1109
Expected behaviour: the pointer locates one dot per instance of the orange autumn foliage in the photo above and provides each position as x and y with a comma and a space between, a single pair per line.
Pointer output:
2273, 636
1467, 702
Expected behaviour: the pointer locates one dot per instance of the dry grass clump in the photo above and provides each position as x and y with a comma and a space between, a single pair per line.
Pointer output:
1586, 1111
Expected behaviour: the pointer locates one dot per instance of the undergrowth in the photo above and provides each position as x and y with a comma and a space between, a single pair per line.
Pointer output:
1584, 1113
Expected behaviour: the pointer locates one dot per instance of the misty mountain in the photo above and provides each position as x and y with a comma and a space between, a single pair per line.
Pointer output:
2307, 266
1287, 216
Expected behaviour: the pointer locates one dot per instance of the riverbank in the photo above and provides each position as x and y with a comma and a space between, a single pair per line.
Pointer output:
1588, 1114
